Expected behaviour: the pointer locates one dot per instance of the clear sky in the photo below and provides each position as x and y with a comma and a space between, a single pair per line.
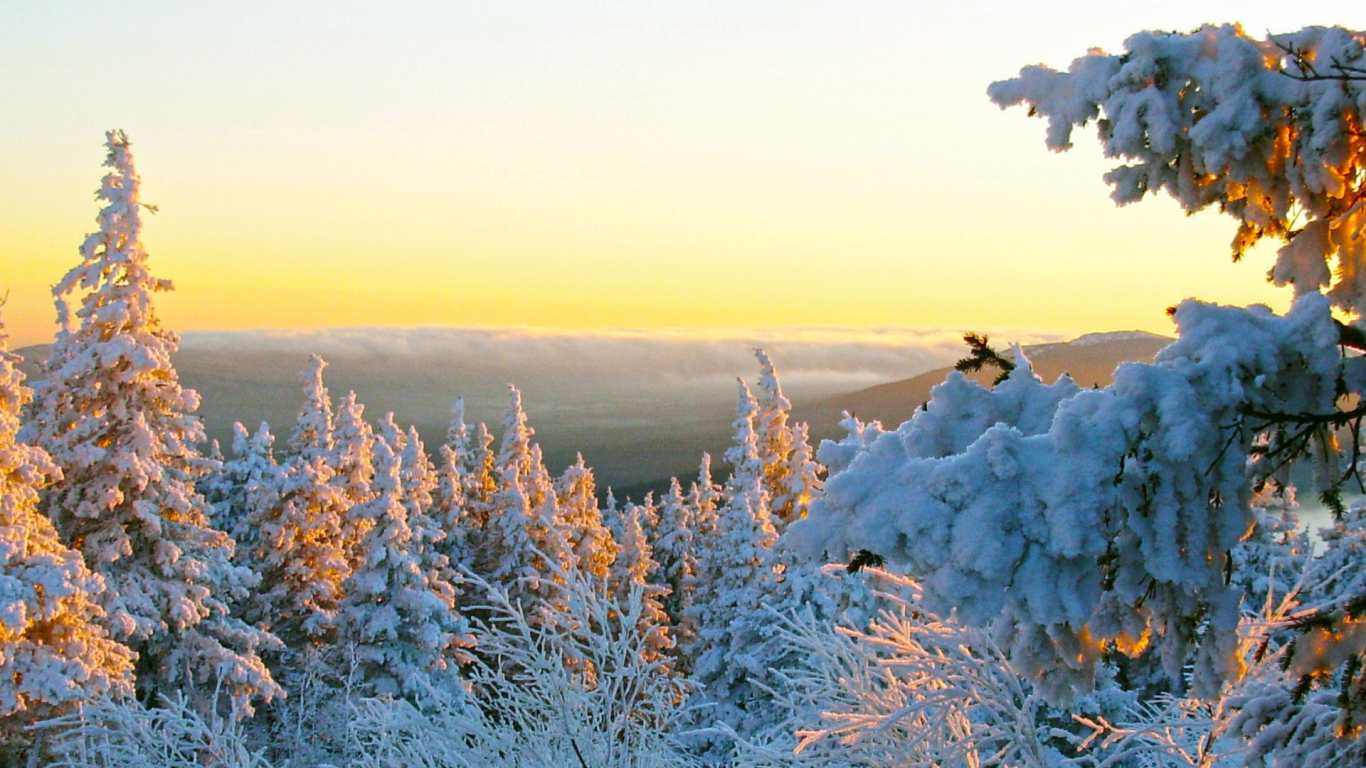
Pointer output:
597, 164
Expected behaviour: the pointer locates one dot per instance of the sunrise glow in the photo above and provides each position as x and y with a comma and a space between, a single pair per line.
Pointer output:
596, 167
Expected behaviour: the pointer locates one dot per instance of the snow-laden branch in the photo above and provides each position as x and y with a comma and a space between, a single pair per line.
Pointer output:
1269, 130
1072, 521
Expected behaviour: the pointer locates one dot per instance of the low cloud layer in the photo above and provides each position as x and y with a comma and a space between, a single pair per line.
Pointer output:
860, 353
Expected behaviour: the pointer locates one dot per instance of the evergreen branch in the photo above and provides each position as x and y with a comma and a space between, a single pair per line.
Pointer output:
864, 559
1309, 73
1350, 336
1336, 418
982, 354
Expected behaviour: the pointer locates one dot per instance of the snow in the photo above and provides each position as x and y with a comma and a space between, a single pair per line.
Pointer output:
1003, 501
1095, 576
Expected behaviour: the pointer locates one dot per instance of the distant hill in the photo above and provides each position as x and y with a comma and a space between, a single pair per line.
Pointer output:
1090, 360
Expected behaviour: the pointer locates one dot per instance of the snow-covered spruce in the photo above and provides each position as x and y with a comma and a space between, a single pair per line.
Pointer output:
353, 470
248, 484
299, 550
673, 545
580, 521
464, 494
790, 476
630, 573
734, 568
399, 617
418, 481
54, 653
112, 414
1071, 520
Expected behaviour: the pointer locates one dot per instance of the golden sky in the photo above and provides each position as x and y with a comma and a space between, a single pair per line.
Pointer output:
597, 164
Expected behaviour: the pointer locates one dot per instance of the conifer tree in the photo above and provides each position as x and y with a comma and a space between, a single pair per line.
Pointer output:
649, 512
54, 653
791, 475
418, 484
250, 484
114, 418
703, 498
734, 568
776, 441
313, 436
804, 484
300, 550
455, 470
391, 433
458, 436
452, 507
482, 481
675, 556
631, 570
523, 549
353, 470
402, 624
465, 492
511, 557
516, 445
590, 543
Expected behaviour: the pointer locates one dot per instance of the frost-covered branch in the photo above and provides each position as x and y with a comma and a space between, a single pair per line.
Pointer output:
121, 733
1268, 130
912, 690
541, 697
1071, 521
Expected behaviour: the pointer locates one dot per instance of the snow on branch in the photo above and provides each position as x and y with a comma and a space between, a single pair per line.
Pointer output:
1268, 130
1070, 522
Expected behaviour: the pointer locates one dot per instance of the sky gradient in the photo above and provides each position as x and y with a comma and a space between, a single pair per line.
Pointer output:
597, 165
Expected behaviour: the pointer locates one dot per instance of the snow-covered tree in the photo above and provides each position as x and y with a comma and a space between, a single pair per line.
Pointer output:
580, 521
419, 484
115, 420
391, 433
516, 446
313, 435
482, 481
523, 550
1266, 129
353, 469
1070, 520
804, 481
674, 548
54, 653
776, 441
630, 572
300, 550
248, 484
401, 622
616, 708
506, 556
704, 497
733, 570
451, 503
